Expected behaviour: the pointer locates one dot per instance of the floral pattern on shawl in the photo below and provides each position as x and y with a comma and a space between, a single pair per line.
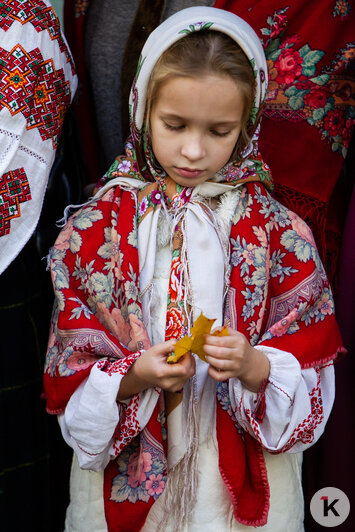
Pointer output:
285, 289
96, 291
319, 96
257, 264
281, 287
141, 474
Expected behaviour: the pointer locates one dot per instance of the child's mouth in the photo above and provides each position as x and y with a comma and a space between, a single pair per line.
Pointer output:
189, 172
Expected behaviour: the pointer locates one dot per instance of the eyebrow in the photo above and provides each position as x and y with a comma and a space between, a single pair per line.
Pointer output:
172, 116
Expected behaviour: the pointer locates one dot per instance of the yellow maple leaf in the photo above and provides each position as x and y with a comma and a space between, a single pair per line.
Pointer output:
182, 346
222, 332
196, 341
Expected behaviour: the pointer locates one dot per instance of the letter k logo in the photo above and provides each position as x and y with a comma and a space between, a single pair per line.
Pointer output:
330, 507
327, 507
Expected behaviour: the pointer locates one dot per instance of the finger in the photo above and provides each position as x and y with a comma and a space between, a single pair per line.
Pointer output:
170, 344
184, 368
220, 364
225, 341
188, 361
165, 348
221, 327
219, 352
217, 329
219, 375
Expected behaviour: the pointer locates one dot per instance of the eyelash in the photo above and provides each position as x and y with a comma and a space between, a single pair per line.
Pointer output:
172, 128
179, 128
218, 134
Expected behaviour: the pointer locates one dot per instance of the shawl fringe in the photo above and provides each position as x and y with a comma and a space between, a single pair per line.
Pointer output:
181, 496
337, 355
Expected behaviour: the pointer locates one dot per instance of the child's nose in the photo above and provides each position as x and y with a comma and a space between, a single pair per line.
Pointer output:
193, 148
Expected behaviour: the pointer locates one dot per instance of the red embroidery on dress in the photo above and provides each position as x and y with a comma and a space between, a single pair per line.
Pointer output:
326, 365
118, 366
33, 87
253, 424
128, 426
87, 452
283, 391
260, 407
14, 189
41, 16
304, 432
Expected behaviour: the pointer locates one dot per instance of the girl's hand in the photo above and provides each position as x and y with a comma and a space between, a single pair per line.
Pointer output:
233, 356
152, 370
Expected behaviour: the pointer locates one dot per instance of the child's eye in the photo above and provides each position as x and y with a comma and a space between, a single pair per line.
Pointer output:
171, 127
220, 133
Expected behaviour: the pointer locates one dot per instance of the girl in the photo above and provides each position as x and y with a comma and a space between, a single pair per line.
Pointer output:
184, 224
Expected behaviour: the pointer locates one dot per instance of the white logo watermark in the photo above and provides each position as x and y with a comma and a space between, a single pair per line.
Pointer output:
330, 507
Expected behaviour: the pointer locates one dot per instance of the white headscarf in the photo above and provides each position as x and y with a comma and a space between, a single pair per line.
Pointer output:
178, 26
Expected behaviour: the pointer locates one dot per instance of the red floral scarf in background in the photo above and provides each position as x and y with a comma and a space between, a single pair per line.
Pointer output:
309, 111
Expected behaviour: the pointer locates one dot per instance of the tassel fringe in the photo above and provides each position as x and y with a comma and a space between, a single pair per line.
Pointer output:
181, 495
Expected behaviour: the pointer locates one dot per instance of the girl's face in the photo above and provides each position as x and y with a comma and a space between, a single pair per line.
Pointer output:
195, 124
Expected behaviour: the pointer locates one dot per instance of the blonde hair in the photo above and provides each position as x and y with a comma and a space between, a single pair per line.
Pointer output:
201, 53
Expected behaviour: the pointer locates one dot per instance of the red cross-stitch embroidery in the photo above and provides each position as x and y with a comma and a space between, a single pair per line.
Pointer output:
32, 86
41, 16
14, 189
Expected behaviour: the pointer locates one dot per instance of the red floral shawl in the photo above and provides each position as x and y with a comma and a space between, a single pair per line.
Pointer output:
272, 253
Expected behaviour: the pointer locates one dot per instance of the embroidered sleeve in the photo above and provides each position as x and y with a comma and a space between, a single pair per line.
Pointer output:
94, 424
289, 413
